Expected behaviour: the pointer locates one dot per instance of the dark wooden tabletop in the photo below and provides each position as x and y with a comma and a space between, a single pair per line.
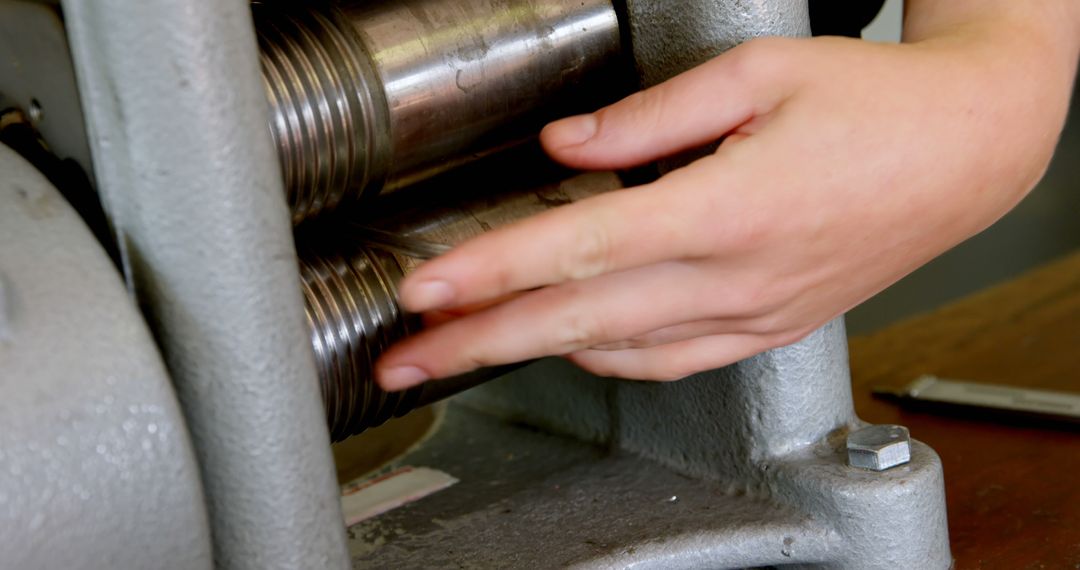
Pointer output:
1013, 491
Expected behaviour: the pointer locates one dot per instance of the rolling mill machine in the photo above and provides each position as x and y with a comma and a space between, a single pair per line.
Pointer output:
205, 207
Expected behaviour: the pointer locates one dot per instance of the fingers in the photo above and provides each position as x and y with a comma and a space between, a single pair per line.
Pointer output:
687, 111
607, 233
676, 360
633, 227
556, 320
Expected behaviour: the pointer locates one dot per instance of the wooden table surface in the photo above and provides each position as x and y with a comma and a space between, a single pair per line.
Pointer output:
1013, 491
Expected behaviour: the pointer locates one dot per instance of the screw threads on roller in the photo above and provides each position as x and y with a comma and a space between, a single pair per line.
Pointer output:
353, 316
328, 121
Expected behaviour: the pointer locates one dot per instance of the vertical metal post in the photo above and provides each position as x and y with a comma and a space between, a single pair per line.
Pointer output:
177, 122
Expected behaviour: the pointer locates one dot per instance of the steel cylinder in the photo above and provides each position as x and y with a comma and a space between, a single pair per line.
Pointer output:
366, 97
349, 282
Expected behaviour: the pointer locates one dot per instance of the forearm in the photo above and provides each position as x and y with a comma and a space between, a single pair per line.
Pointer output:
1059, 19
1048, 29
1018, 61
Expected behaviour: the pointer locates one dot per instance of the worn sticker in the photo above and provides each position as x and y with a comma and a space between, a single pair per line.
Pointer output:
386, 492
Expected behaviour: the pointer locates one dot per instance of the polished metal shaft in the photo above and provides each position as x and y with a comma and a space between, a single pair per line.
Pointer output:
349, 284
369, 96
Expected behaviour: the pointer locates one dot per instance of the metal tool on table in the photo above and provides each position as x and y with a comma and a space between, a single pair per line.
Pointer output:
986, 401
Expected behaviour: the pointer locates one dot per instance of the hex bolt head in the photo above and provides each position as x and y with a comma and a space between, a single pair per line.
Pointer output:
878, 448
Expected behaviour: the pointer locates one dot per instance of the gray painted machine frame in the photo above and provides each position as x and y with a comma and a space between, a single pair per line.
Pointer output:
96, 466
176, 118
743, 466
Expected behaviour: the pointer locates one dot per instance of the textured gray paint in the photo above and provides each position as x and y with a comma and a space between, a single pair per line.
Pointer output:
718, 425
669, 38
554, 395
531, 500
526, 499
177, 123
885, 520
731, 420
96, 466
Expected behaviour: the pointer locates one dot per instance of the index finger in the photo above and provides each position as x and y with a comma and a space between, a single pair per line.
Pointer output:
619, 230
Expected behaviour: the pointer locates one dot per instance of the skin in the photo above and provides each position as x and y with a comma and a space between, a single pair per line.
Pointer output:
844, 166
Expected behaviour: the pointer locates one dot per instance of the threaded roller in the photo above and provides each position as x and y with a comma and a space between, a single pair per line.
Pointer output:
328, 115
368, 96
350, 294
351, 309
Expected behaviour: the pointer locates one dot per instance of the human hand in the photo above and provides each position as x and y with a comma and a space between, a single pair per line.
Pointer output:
844, 166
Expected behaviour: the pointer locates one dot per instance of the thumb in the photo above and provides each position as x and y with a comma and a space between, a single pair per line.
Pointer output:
694, 108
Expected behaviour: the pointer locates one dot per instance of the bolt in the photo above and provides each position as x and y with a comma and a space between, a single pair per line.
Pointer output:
34, 112
878, 448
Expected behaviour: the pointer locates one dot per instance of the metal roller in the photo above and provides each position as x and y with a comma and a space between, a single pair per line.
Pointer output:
349, 285
367, 97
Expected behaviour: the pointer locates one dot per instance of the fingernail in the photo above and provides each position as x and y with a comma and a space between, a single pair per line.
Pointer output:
402, 377
428, 295
572, 131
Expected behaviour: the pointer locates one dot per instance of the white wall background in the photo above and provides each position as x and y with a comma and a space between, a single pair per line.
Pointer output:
886, 27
